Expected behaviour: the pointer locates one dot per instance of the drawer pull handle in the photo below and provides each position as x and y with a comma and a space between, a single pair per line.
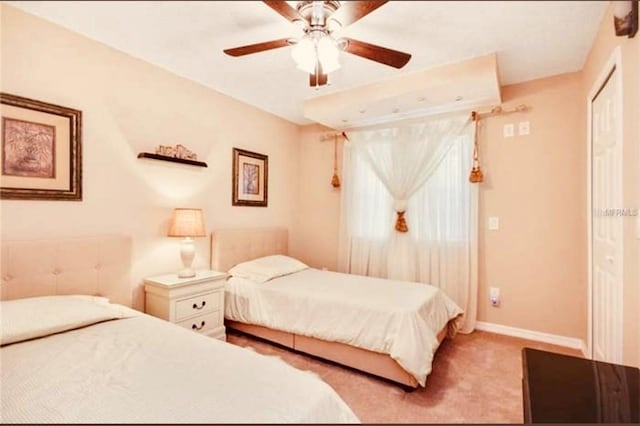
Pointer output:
195, 327
195, 305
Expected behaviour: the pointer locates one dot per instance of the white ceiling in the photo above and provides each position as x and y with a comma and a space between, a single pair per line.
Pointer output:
532, 39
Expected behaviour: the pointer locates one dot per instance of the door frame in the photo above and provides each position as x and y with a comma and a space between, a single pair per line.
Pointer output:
613, 63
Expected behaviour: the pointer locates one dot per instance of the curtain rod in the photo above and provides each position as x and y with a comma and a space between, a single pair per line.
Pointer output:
329, 137
475, 116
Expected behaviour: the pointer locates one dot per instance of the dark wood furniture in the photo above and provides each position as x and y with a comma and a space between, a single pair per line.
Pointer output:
565, 389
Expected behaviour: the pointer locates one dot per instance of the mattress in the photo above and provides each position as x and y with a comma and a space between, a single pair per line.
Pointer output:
401, 319
140, 369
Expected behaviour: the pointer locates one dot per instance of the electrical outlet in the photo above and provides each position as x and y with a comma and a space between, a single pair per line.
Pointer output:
523, 128
494, 223
494, 296
508, 130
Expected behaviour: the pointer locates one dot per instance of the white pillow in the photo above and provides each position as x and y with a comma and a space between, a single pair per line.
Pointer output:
29, 318
266, 268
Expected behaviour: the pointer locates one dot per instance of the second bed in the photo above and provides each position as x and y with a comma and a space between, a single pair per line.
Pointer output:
391, 329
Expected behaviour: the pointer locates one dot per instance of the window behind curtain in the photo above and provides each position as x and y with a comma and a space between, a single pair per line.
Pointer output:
437, 212
372, 199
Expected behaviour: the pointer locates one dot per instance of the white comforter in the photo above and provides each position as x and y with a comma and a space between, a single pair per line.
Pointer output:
145, 370
398, 318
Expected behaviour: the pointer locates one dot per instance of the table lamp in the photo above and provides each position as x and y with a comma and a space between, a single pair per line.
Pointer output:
187, 223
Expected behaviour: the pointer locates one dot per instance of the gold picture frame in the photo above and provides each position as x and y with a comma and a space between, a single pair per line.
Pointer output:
41, 146
250, 179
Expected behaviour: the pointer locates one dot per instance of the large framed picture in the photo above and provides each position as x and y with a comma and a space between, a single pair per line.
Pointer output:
250, 178
41, 147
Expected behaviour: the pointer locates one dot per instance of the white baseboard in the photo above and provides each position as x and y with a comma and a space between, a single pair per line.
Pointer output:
585, 350
554, 339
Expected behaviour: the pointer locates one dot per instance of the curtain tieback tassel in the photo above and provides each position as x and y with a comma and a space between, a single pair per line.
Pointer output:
335, 180
476, 174
401, 223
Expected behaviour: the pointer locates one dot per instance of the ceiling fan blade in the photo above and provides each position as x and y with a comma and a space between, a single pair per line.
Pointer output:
393, 58
318, 78
350, 12
283, 8
258, 47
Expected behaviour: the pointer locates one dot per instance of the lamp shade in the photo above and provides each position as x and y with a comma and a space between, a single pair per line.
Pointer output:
187, 223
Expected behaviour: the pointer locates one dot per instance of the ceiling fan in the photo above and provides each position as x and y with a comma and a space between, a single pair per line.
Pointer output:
317, 51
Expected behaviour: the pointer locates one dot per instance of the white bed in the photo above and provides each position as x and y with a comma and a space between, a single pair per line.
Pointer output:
388, 328
106, 363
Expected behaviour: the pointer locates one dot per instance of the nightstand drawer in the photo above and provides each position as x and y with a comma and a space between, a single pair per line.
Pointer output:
203, 323
197, 305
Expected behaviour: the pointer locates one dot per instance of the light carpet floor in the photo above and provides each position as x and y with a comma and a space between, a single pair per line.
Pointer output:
476, 378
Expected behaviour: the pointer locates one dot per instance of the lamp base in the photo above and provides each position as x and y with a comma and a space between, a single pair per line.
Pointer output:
187, 253
187, 273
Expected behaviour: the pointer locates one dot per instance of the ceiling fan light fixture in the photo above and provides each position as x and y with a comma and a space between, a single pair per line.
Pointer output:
304, 55
309, 51
328, 54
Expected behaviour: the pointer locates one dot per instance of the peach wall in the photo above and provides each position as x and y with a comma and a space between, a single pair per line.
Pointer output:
602, 48
535, 185
130, 106
314, 239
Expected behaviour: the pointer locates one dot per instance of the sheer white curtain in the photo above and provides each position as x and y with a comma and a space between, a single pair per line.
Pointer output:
421, 168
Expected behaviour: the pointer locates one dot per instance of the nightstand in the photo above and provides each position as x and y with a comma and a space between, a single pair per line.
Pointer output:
196, 303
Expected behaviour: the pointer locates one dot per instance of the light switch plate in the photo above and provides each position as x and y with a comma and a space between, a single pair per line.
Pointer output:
508, 130
494, 223
523, 128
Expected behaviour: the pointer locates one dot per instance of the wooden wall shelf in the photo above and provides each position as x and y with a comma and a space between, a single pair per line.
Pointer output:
171, 159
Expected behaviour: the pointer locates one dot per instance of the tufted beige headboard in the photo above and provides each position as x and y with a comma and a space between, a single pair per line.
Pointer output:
95, 266
232, 246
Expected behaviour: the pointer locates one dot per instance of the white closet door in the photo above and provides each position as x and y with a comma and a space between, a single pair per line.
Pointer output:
606, 196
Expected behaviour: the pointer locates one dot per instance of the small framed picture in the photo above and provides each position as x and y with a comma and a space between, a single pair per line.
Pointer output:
41, 150
250, 178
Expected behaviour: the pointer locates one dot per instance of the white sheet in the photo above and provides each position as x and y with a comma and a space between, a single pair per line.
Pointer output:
145, 370
398, 318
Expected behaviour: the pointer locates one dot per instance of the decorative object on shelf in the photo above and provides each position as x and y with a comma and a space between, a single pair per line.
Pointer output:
476, 175
250, 178
171, 159
41, 150
179, 151
625, 17
187, 223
